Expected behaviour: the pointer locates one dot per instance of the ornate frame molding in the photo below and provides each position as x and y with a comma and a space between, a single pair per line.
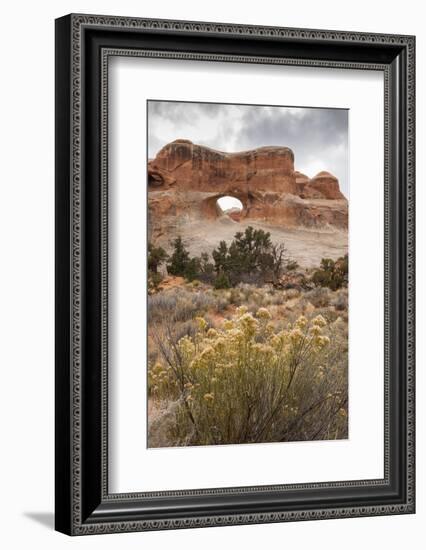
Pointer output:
72, 45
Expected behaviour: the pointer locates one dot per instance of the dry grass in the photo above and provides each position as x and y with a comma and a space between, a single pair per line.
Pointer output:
212, 382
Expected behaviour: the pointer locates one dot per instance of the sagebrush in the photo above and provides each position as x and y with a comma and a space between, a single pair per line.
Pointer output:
247, 382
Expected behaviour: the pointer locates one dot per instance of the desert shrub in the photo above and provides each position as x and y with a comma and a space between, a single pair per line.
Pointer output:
235, 296
254, 278
319, 297
160, 305
277, 298
340, 301
178, 304
292, 265
152, 355
154, 281
161, 381
221, 300
329, 313
332, 274
248, 383
245, 291
250, 295
222, 281
251, 257
291, 293
293, 279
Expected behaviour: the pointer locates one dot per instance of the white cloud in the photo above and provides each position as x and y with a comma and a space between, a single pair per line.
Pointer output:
318, 137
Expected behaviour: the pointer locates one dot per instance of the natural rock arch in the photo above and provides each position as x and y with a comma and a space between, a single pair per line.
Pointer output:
185, 181
211, 209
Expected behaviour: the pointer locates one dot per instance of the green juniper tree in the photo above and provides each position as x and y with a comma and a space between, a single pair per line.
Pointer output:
251, 253
192, 269
179, 259
156, 256
332, 274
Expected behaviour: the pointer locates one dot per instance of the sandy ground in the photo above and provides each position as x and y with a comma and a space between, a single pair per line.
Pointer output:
306, 246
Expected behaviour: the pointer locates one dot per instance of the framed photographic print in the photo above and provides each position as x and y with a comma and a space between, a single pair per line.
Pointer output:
234, 274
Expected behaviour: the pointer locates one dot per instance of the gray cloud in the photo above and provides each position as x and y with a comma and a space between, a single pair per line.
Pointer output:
318, 137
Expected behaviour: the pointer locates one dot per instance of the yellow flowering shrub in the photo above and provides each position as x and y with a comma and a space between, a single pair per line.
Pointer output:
245, 382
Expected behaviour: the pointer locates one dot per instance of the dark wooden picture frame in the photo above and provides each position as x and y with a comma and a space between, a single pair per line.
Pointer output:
83, 46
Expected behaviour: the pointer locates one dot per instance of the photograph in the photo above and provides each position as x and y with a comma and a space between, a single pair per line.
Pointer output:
234, 274
248, 273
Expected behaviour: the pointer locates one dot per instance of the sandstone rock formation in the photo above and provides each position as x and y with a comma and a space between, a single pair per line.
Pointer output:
323, 185
185, 181
234, 213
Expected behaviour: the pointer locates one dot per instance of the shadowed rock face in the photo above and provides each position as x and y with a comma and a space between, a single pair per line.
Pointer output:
185, 181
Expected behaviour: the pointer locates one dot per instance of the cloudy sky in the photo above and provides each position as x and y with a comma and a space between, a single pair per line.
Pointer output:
318, 137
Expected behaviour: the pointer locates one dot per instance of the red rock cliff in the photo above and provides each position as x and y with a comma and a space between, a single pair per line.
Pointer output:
185, 180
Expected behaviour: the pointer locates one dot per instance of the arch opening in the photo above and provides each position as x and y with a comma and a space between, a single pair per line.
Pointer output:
230, 206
